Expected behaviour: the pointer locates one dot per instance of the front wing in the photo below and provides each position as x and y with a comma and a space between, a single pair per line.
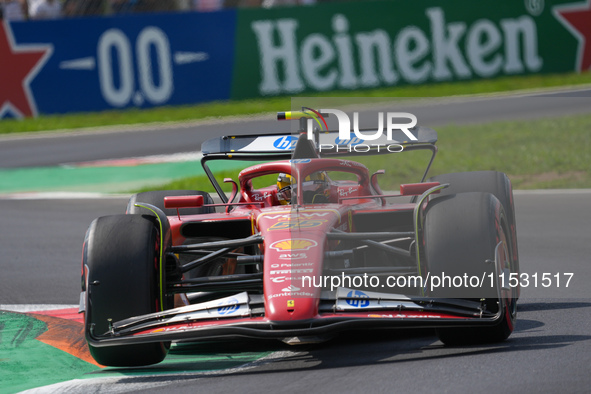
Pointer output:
241, 316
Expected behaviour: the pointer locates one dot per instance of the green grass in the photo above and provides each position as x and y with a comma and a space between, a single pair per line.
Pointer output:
250, 107
544, 153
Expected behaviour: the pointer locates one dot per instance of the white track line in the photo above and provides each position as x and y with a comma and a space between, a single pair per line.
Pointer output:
551, 191
154, 159
60, 196
24, 308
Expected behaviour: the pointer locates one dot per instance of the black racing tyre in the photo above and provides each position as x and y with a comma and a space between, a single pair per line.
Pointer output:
121, 255
461, 233
494, 182
156, 198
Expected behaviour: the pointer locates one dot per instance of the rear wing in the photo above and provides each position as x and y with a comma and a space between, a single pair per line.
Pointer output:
326, 143
278, 144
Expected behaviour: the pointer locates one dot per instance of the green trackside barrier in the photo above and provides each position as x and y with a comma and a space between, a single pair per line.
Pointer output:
373, 44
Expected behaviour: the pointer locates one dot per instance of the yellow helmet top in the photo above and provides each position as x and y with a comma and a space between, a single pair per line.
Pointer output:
284, 182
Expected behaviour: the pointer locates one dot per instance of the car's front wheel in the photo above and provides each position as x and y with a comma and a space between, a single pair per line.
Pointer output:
121, 256
461, 235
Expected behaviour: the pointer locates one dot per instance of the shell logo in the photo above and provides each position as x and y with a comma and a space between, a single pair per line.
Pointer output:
293, 244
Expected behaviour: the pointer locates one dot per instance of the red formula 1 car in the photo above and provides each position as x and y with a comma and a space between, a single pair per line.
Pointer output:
305, 246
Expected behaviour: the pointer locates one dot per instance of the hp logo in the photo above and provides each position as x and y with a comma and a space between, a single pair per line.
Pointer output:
358, 299
285, 143
352, 141
228, 307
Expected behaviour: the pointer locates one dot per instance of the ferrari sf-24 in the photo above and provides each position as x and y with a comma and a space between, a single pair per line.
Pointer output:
317, 250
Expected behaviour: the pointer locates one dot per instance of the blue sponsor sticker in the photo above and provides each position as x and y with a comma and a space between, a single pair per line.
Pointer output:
357, 299
299, 161
285, 143
228, 307
352, 140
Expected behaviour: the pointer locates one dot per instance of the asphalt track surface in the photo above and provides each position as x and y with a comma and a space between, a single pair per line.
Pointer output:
550, 350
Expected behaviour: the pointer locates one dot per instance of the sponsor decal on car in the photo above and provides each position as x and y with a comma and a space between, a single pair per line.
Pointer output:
281, 279
292, 271
290, 265
301, 214
293, 256
250, 169
357, 299
298, 216
286, 142
229, 306
293, 244
344, 192
402, 315
292, 294
352, 140
288, 224
261, 196
302, 264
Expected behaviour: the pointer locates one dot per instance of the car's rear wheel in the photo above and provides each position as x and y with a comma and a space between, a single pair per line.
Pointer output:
461, 233
122, 259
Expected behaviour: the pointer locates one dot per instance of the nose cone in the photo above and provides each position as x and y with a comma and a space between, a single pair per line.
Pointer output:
292, 308
293, 260
290, 268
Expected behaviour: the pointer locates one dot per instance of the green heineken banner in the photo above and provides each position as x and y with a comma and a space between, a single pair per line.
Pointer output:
369, 44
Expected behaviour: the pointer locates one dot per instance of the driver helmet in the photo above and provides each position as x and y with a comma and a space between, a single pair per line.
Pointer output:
316, 188
284, 188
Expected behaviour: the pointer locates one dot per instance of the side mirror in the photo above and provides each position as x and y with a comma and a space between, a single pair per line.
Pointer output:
374, 180
416, 189
234, 192
183, 202
374, 183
